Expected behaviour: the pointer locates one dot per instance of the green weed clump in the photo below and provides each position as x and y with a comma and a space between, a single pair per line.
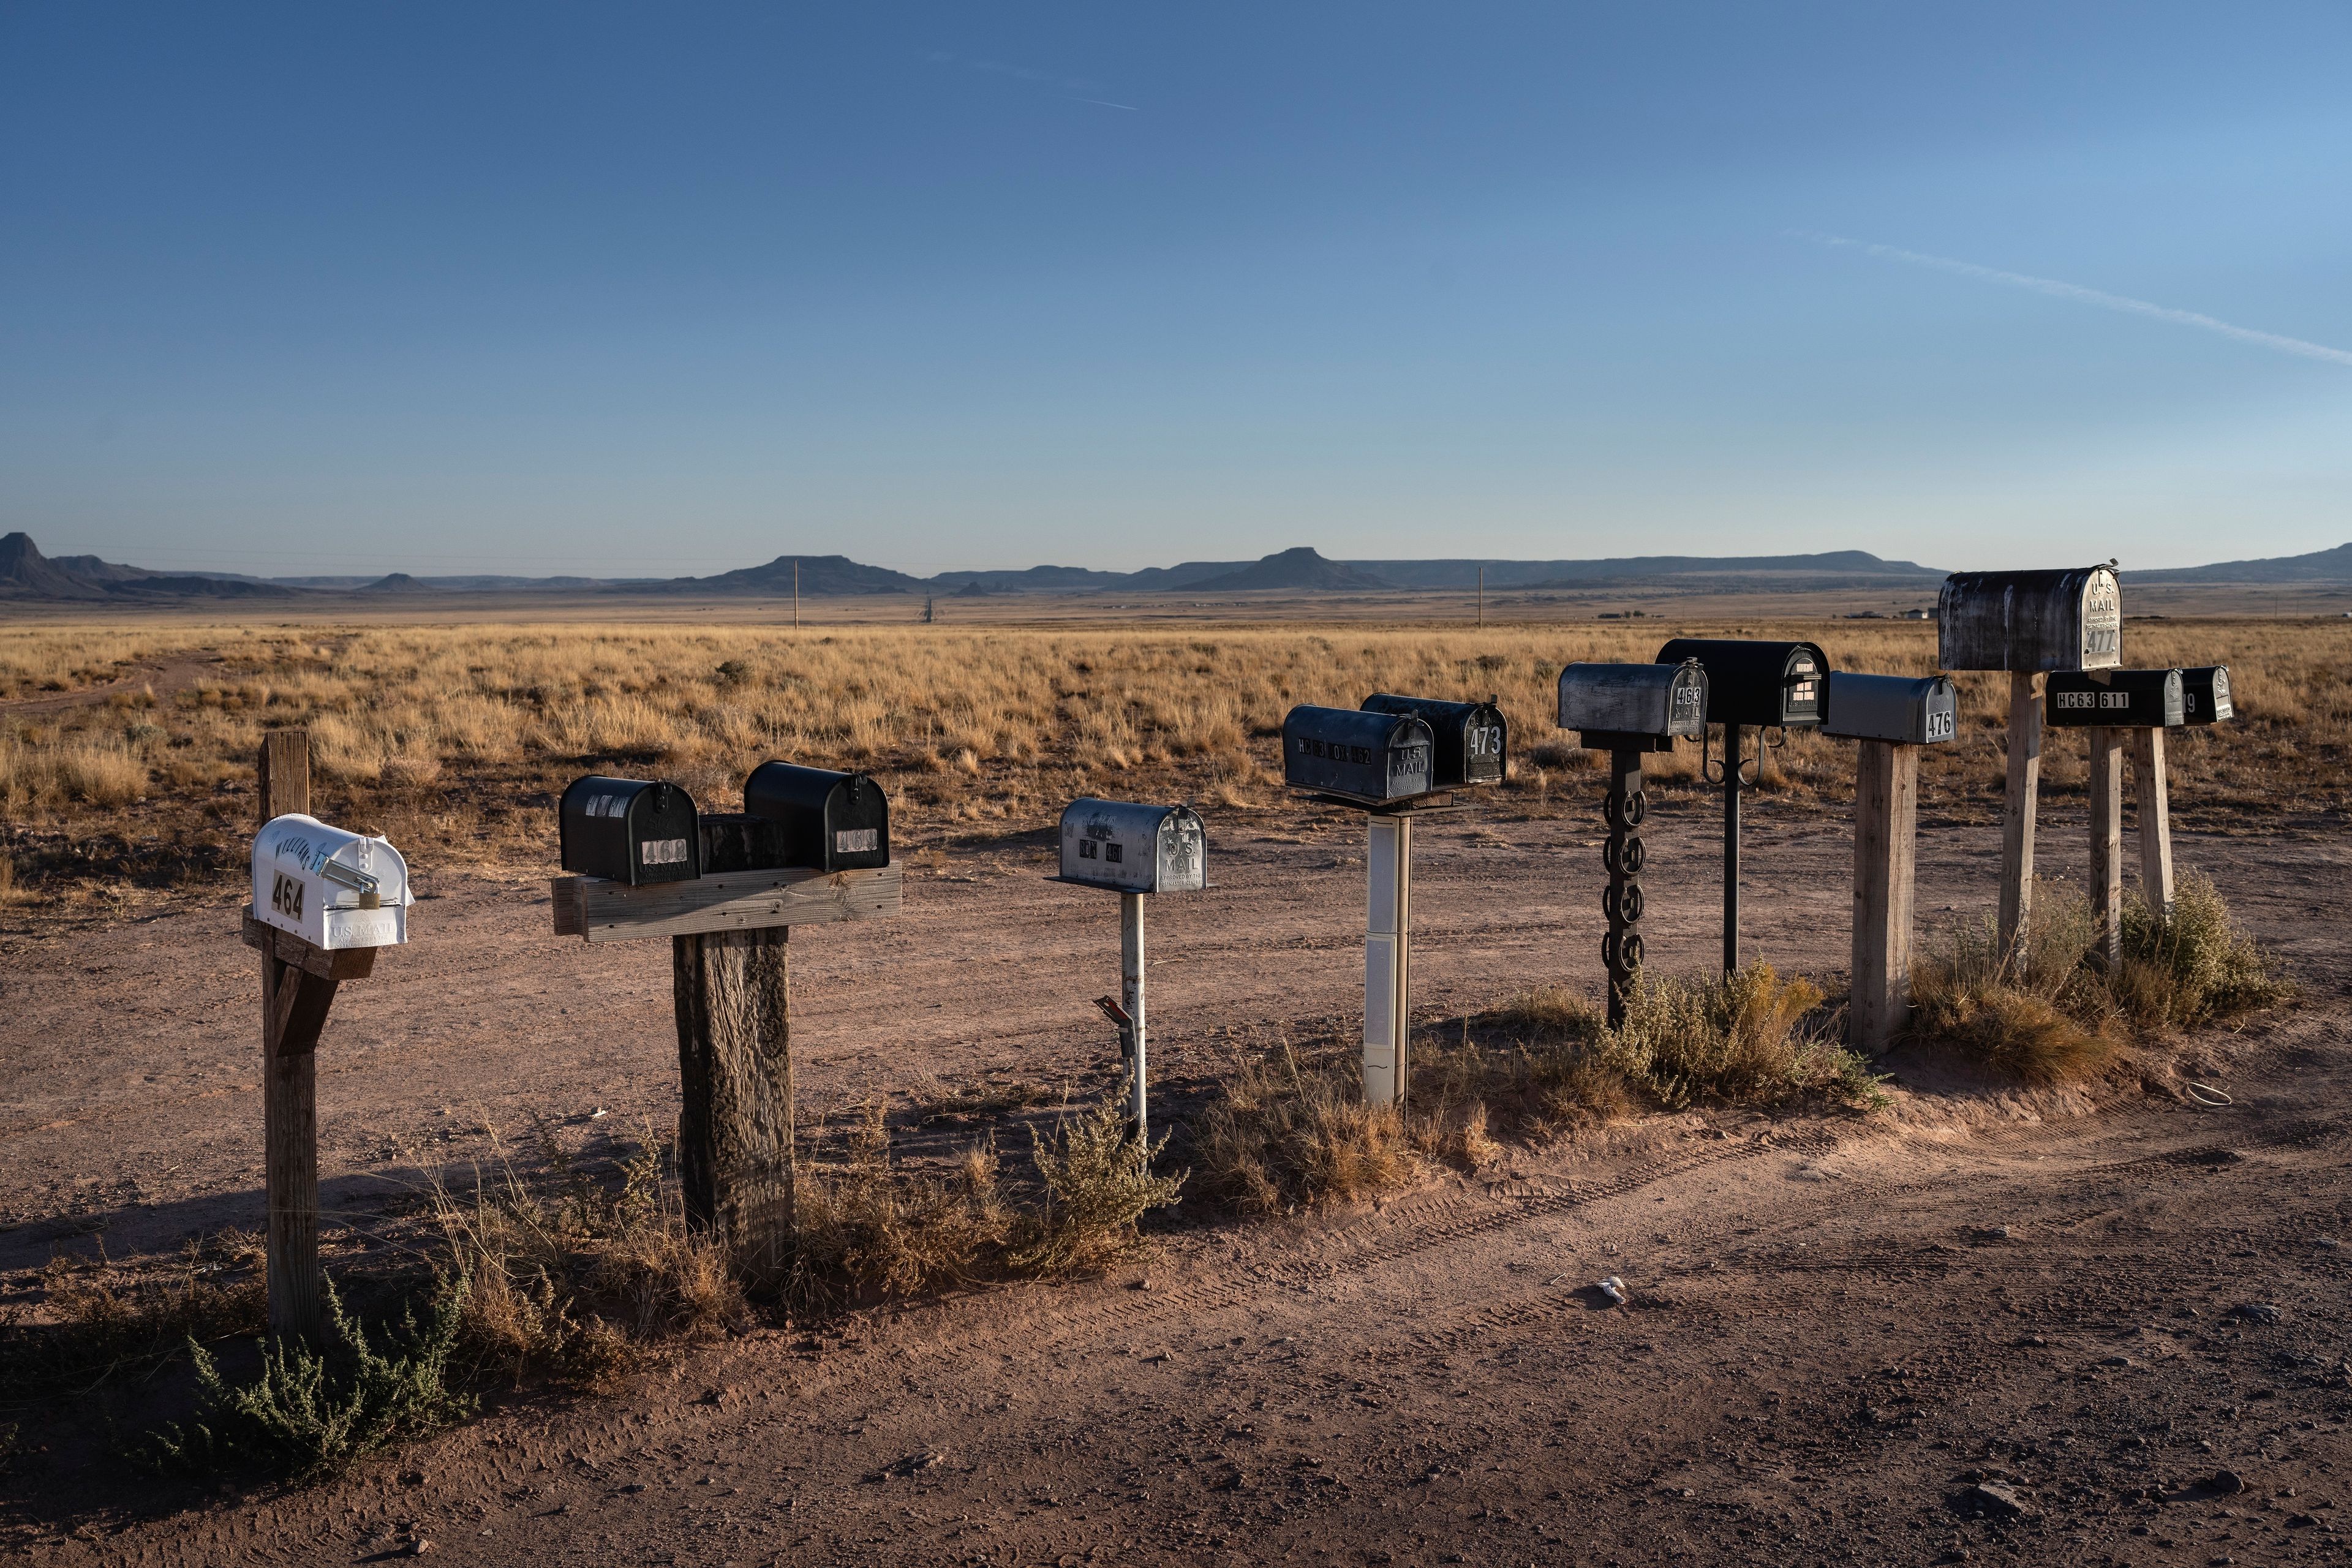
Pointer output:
2194, 966
1099, 1186
310, 1413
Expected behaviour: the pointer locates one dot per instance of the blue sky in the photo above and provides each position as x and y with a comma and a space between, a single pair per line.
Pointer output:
635, 289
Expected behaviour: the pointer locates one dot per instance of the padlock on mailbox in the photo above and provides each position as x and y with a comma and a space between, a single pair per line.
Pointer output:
637, 831
331, 888
832, 821
1469, 737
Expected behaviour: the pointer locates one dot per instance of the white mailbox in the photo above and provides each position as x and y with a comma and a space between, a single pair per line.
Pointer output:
1133, 848
331, 889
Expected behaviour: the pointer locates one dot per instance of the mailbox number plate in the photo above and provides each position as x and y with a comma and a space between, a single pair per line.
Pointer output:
1112, 852
2088, 699
286, 896
856, 840
1483, 741
1939, 724
662, 852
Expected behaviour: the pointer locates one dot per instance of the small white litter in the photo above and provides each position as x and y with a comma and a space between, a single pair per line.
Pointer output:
1614, 1288
2206, 1094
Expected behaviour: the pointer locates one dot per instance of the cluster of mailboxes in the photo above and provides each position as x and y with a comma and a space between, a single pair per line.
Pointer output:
641, 831
332, 888
1128, 848
1393, 748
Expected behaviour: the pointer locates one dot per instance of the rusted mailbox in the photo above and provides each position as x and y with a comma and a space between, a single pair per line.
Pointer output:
1628, 711
2028, 624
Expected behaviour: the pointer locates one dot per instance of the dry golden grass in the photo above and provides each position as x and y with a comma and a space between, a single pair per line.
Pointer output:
454, 738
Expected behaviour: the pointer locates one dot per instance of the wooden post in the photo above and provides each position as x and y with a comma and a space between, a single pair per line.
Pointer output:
1732, 734
735, 1080
2153, 794
2017, 822
1130, 977
2108, 843
1885, 838
1388, 867
289, 1103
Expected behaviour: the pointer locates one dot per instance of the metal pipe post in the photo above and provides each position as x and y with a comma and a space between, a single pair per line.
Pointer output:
1130, 978
1731, 738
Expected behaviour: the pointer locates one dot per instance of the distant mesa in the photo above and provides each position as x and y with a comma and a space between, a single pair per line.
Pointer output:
26, 574
2319, 566
1298, 570
820, 576
398, 583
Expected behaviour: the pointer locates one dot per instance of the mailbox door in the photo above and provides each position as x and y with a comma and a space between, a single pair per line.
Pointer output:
1412, 759
857, 825
1800, 686
1182, 858
665, 840
2205, 695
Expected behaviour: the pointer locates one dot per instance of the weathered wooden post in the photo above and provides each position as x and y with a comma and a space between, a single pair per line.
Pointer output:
324, 902
2108, 845
2026, 623
813, 848
1890, 717
1394, 758
2111, 704
1628, 710
1133, 850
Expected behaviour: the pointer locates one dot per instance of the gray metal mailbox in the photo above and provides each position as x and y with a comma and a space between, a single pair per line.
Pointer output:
1371, 758
1634, 707
1130, 847
1900, 709
2028, 621
2114, 699
1469, 736
2205, 695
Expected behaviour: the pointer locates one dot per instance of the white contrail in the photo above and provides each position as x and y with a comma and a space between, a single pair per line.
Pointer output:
2054, 288
1107, 103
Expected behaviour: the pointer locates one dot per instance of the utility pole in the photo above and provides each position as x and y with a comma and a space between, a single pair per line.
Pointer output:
796, 595
927, 610
1482, 595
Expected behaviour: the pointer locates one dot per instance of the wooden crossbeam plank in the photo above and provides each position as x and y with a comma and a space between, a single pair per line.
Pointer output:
732, 900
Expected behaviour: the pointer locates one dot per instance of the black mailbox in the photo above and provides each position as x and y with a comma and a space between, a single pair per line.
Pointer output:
629, 830
1374, 758
2123, 699
1469, 737
832, 822
2028, 621
1756, 683
2205, 695
1634, 707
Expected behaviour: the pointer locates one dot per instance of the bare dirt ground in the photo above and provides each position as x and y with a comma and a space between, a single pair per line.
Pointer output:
1839, 1326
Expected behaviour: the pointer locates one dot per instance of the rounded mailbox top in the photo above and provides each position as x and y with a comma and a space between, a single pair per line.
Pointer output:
329, 885
2030, 622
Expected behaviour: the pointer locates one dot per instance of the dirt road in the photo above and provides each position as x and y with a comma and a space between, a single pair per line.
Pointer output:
1837, 1329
